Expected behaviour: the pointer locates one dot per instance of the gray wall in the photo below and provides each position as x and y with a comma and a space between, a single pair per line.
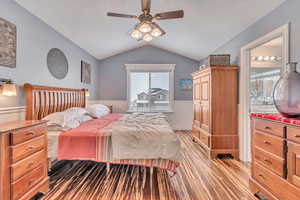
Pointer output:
112, 73
34, 40
287, 12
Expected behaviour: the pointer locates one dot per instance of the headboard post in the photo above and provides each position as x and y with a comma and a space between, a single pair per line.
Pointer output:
42, 100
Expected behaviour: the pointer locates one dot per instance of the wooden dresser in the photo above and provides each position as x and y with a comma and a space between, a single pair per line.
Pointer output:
215, 96
275, 157
23, 159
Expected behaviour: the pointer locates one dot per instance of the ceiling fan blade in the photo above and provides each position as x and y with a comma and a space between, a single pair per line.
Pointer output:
146, 4
170, 15
111, 14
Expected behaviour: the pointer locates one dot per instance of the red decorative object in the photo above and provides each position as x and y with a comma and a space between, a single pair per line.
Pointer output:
277, 117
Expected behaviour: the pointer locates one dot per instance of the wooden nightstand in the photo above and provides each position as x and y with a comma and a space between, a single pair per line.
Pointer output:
23, 159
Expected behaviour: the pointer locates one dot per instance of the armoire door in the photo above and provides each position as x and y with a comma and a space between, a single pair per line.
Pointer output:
294, 163
205, 102
196, 102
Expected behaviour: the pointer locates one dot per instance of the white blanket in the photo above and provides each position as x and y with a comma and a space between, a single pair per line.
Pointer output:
144, 136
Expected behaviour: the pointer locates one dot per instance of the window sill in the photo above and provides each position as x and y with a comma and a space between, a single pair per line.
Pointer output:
157, 111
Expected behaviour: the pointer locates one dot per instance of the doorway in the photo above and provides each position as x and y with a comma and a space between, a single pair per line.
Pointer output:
262, 62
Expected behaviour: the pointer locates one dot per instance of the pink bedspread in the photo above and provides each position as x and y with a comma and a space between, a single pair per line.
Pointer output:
81, 143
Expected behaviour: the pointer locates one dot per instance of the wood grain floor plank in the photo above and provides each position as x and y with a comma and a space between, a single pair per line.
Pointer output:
197, 178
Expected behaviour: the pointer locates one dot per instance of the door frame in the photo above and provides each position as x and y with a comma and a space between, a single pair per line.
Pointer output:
244, 120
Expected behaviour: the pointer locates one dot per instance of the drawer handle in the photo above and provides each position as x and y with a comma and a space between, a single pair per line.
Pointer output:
30, 133
297, 136
29, 148
268, 161
267, 142
262, 176
30, 182
267, 127
30, 165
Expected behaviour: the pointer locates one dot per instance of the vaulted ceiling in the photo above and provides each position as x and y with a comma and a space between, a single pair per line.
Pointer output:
206, 26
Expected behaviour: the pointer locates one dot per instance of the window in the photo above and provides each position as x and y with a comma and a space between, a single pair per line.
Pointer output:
150, 88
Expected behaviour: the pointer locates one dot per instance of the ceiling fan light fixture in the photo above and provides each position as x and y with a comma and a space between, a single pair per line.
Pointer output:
156, 32
136, 34
145, 27
147, 38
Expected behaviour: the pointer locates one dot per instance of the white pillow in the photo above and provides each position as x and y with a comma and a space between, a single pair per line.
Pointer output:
85, 118
77, 111
62, 119
98, 110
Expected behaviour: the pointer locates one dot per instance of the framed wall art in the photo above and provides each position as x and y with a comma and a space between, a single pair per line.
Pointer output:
186, 84
85, 72
8, 44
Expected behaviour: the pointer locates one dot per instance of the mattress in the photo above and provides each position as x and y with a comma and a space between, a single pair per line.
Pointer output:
68, 145
53, 137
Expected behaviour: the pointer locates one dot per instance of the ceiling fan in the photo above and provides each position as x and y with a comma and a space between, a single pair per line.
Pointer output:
146, 29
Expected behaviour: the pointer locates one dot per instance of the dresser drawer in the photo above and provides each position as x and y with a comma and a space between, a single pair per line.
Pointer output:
270, 161
269, 143
24, 166
293, 134
27, 134
28, 181
275, 184
269, 127
25, 149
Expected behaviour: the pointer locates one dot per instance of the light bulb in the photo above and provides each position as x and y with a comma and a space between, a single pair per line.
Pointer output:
273, 58
266, 58
147, 38
136, 34
260, 58
145, 28
156, 32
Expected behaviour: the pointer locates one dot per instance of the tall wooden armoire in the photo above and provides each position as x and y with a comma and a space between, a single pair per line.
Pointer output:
215, 104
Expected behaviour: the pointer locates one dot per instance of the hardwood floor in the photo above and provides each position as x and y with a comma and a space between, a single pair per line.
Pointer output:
198, 178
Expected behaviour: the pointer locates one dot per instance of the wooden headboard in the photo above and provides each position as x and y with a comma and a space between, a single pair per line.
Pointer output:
43, 100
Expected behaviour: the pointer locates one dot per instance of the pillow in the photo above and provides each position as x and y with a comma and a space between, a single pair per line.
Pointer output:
98, 110
63, 120
86, 118
77, 111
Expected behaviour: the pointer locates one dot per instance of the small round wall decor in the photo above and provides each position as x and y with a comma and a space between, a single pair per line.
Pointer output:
57, 63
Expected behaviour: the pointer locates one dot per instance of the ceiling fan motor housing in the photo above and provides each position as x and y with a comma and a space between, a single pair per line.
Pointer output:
145, 18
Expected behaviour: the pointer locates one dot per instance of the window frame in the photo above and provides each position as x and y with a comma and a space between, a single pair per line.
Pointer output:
151, 68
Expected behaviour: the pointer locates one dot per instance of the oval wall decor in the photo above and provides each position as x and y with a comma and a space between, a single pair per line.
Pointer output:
57, 63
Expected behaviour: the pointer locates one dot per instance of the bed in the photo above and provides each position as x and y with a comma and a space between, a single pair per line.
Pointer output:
93, 140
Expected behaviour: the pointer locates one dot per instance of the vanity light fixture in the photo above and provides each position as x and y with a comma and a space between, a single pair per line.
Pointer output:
8, 88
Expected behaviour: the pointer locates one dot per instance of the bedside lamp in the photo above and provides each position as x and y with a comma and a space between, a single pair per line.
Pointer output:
8, 88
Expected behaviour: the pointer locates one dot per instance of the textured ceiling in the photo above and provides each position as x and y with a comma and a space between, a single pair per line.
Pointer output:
207, 24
